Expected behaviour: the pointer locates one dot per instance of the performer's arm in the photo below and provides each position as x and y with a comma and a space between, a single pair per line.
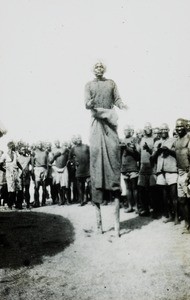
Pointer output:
89, 102
118, 102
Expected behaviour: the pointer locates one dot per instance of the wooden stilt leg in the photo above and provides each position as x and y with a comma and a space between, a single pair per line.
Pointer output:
98, 218
117, 217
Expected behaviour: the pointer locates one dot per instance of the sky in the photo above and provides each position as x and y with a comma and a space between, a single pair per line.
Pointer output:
48, 49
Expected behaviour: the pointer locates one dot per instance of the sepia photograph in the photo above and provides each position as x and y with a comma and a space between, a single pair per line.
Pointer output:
94, 150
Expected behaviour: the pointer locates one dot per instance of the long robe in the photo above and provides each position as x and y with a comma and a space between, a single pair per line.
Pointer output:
104, 142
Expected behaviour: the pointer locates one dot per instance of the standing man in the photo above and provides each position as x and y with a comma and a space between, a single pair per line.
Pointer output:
156, 134
54, 188
165, 158
60, 177
101, 95
129, 168
139, 135
80, 156
25, 161
40, 172
72, 189
3, 182
182, 148
49, 180
13, 171
147, 178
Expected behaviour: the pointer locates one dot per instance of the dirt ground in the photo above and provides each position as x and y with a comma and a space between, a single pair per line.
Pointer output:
64, 258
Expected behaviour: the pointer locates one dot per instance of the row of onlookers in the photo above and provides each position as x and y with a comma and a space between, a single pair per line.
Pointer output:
64, 168
155, 171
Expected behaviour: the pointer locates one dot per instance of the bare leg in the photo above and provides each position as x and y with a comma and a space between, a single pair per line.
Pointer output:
185, 211
36, 194
174, 201
129, 198
98, 217
116, 213
44, 192
27, 195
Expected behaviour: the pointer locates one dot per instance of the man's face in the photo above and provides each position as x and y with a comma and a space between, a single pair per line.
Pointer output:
64, 145
73, 140
164, 132
57, 144
156, 133
148, 130
188, 126
139, 134
48, 147
11, 146
180, 128
99, 70
78, 140
22, 150
39, 146
127, 133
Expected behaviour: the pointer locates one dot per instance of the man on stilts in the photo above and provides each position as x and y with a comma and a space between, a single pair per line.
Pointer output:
101, 95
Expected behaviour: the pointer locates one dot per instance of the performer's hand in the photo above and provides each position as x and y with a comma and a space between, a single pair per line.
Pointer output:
91, 103
123, 106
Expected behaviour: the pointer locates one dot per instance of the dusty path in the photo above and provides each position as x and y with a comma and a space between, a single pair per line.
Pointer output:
151, 260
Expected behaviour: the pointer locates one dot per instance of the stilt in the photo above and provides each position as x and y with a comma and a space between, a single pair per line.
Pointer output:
98, 217
117, 217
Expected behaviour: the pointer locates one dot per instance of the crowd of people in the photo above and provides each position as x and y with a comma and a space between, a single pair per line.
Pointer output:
61, 170
154, 178
147, 172
155, 171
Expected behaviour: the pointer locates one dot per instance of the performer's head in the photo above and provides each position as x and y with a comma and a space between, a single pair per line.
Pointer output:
99, 69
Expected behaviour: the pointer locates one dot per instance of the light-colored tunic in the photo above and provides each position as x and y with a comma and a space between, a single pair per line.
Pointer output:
13, 174
61, 176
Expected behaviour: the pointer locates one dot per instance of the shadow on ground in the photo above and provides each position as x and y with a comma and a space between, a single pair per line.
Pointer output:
135, 223
26, 237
